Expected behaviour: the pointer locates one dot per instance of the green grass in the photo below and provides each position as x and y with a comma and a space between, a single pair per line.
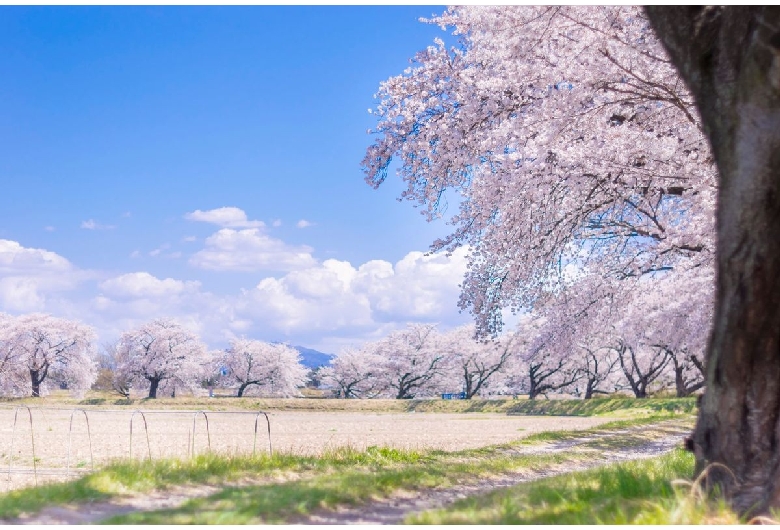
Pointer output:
277, 503
608, 406
604, 406
637, 492
562, 436
30, 500
627, 493
127, 477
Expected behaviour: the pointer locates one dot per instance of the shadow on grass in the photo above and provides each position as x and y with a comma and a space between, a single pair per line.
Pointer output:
29, 500
594, 407
277, 503
628, 493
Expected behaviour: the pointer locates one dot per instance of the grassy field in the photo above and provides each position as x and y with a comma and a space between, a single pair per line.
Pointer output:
281, 487
622, 406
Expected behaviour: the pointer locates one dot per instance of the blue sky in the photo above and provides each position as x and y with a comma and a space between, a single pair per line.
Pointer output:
203, 163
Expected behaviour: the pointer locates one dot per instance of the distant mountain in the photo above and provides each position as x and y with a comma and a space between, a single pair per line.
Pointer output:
313, 358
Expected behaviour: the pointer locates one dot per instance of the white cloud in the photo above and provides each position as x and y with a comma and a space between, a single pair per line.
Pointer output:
337, 297
250, 250
102, 303
28, 275
49, 228
135, 254
15, 258
420, 286
276, 223
144, 285
303, 223
189, 239
91, 224
159, 252
228, 217
325, 304
21, 294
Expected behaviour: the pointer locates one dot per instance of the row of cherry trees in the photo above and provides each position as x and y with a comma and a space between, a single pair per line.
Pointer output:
602, 348
635, 346
162, 356
39, 352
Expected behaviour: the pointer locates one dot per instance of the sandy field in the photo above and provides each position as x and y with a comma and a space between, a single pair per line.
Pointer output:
65, 442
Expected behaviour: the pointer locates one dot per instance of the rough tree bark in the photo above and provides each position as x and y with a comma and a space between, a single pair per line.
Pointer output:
730, 58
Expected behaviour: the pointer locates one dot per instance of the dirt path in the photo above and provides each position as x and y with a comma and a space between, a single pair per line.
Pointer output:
392, 510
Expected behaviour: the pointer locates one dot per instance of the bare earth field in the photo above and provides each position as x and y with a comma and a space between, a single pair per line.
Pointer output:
64, 442
311, 432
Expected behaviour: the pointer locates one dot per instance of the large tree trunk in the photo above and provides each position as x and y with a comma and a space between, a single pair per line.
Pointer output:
730, 58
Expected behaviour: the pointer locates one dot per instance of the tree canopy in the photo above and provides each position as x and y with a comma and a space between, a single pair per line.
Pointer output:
568, 140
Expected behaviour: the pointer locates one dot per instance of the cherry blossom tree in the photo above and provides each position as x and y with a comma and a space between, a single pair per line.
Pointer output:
579, 324
675, 312
413, 361
565, 134
641, 365
661, 329
591, 349
538, 368
473, 364
598, 367
354, 372
212, 370
637, 327
160, 355
268, 369
12, 381
39, 349
106, 366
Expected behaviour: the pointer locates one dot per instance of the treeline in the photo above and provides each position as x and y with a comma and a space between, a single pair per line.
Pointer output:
543, 356
420, 361
39, 352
